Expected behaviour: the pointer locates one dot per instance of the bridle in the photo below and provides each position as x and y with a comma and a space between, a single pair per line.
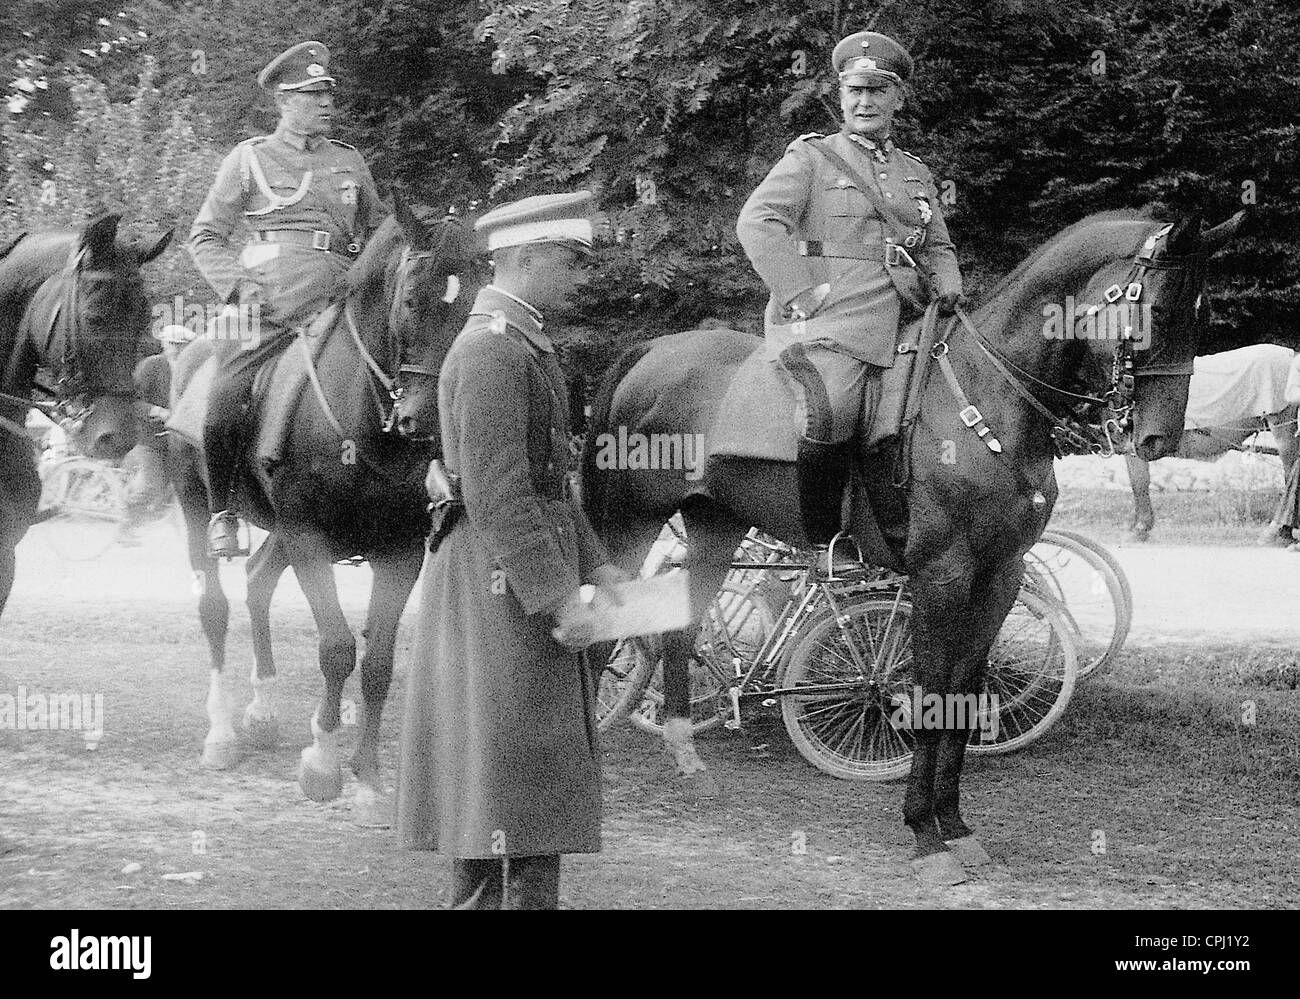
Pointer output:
1072, 432
76, 386
398, 311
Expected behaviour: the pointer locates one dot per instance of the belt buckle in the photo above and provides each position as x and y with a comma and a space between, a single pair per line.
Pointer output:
896, 254
320, 239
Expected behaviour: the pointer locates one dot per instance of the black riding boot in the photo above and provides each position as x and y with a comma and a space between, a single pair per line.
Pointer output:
823, 471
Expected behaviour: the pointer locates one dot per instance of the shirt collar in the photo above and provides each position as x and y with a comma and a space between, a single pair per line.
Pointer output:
299, 141
518, 313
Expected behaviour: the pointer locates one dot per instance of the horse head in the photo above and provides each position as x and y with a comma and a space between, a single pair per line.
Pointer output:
434, 310
84, 324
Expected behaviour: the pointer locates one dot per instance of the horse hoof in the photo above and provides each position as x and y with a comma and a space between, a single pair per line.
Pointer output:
223, 755
969, 852
319, 785
1136, 536
700, 785
372, 809
262, 733
940, 869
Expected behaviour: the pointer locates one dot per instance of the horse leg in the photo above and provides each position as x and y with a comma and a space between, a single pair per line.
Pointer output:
320, 774
221, 749
264, 569
991, 601
8, 564
711, 540
1139, 480
940, 594
395, 576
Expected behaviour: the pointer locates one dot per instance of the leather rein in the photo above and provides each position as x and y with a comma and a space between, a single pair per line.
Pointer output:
1071, 434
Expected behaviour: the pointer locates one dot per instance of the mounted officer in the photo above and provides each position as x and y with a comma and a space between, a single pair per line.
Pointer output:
310, 204
848, 235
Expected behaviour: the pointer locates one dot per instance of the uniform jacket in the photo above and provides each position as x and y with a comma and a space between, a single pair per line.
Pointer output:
499, 752
313, 184
805, 197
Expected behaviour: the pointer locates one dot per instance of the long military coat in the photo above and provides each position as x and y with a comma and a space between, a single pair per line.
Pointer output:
499, 750
805, 199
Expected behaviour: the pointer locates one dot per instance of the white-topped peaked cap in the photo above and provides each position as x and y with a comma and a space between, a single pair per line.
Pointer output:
544, 218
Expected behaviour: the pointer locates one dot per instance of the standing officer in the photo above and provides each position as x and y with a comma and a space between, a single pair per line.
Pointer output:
499, 756
310, 204
846, 242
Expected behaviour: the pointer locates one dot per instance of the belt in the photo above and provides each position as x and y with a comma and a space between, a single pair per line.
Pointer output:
317, 239
891, 254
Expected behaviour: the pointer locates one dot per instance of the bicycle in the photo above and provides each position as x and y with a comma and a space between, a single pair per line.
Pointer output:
836, 656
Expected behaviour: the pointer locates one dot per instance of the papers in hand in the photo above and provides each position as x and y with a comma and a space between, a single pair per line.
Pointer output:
650, 606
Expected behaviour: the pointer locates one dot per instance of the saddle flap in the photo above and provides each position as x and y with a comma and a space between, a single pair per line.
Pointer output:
763, 416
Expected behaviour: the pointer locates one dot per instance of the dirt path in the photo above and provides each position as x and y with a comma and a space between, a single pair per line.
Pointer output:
104, 827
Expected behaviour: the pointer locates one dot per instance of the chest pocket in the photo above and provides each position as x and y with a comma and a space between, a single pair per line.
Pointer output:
843, 198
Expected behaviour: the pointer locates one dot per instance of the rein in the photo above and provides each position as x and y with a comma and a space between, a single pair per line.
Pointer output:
1070, 434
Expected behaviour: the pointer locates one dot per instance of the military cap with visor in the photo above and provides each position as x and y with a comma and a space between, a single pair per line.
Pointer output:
564, 219
305, 66
869, 55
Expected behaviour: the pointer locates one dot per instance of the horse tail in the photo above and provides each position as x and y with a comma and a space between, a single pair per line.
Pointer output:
594, 496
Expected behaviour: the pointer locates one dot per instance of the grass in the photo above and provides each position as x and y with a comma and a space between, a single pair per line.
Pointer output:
1232, 517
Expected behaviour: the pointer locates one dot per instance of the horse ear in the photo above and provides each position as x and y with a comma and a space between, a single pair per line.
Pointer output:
98, 237
146, 252
1216, 238
1186, 235
412, 228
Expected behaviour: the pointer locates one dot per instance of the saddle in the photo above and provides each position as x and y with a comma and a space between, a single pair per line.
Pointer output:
762, 415
277, 393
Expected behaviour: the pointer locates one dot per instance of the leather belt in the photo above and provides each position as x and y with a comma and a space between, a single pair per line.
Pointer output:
317, 239
892, 254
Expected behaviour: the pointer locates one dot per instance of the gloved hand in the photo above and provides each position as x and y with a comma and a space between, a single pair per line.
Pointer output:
575, 622
805, 304
606, 579
948, 302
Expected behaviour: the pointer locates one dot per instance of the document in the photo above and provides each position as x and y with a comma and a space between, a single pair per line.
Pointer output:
650, 606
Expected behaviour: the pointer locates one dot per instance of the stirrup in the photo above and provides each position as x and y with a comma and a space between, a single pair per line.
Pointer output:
223, 536
836, 570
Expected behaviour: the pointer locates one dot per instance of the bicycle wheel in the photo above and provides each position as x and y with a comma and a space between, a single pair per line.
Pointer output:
1090, 585
1032, 668
620, 685
735, 628
853, 733
91, 502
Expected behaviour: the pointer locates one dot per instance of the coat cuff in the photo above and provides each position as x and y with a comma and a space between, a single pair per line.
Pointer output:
539, 575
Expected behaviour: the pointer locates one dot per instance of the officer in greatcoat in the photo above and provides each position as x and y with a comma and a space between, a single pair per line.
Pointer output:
848, 244
310, 203
499, 757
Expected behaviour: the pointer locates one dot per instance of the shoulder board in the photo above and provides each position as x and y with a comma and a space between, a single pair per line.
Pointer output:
254, 140
805, 137
911, 156
340, 142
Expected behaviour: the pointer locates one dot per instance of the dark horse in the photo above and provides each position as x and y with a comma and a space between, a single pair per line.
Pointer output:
966, 515
72, 303
346, 488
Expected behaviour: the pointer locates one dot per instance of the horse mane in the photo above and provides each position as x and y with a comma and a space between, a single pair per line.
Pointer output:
1068, 235
25, 264
369, 271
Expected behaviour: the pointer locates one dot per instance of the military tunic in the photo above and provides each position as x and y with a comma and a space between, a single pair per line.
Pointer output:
801, 227
499, 751
286, 182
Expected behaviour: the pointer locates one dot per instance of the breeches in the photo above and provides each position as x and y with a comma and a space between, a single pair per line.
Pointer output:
297, 283
837, 393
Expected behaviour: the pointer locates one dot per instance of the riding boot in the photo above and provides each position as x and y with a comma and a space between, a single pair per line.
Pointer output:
823, 470
532, 882
477, 884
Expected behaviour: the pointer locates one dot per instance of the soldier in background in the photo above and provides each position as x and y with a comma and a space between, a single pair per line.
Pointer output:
310, 204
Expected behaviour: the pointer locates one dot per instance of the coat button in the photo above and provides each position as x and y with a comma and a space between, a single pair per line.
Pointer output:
883, 175
889, 194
